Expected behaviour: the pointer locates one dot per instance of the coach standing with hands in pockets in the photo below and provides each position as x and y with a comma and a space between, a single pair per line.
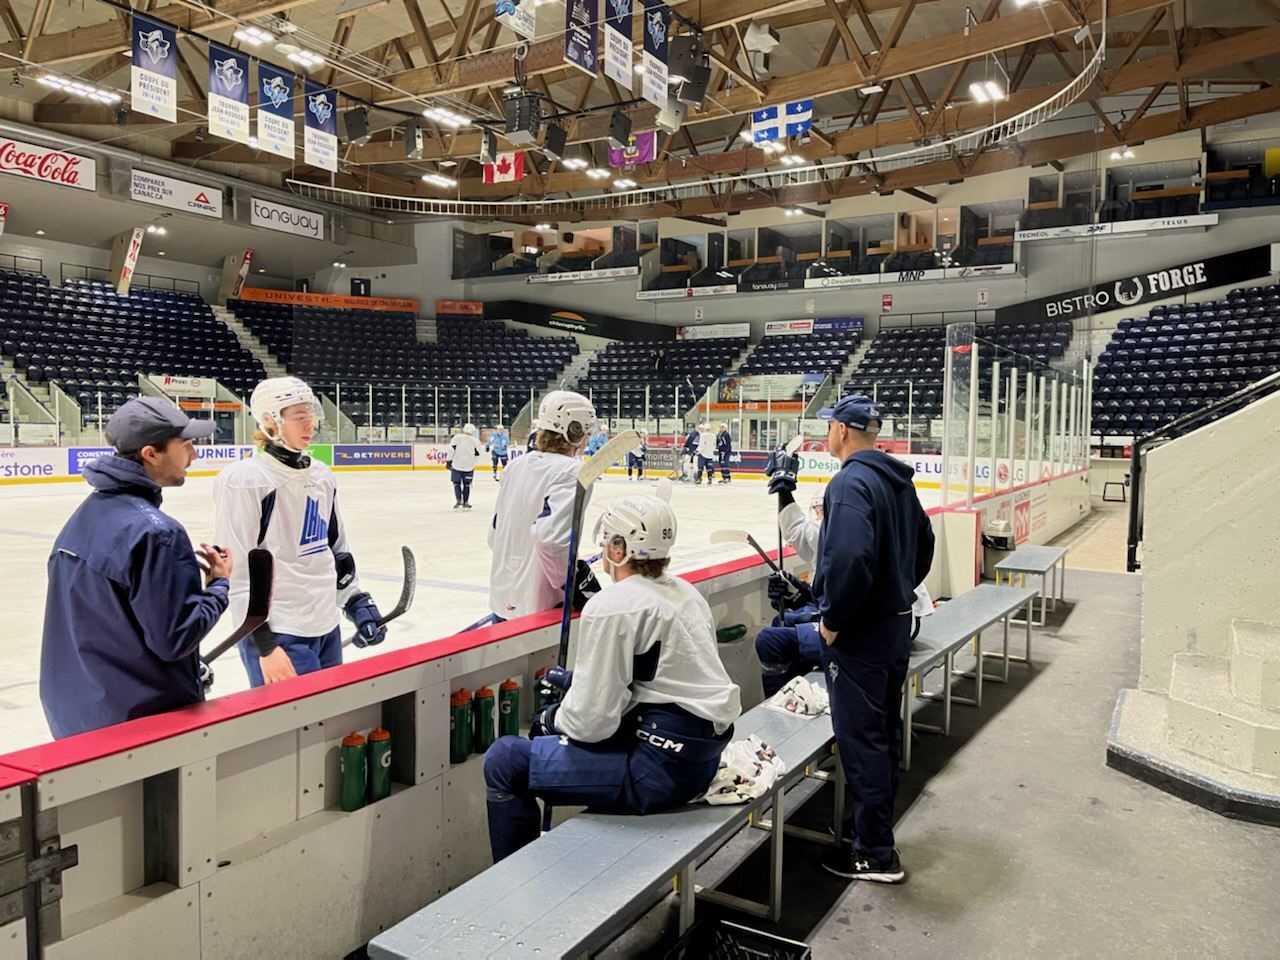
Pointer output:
874, 546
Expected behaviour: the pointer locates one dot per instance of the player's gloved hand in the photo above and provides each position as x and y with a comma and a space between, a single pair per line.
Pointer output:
206, 677
783, 477
558, 678
585, 585
364, 614
448, 464
786, 592
544, 722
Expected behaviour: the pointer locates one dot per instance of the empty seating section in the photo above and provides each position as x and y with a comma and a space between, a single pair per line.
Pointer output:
905, 364
92, 342
359, 348
625, 369
572, 264
911, 260
1180, 358
986, 255
812, 353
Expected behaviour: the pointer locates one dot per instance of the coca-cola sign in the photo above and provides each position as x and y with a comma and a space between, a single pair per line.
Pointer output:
47, 165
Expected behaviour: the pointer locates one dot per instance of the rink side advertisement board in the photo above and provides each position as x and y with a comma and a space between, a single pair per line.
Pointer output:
576, 321
395, 456
336, 301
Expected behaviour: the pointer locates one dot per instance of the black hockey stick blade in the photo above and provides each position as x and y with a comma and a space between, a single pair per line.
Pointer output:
407, 591
261, 579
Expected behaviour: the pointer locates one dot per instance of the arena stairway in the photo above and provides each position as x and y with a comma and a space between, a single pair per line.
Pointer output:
38, 390
250, 342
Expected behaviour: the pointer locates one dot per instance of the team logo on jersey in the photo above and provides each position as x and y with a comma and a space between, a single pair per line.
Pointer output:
228, 73
320, 107
315, 530
154, 43
276, 90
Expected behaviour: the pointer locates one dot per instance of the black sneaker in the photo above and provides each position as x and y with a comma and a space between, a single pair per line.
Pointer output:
858, 866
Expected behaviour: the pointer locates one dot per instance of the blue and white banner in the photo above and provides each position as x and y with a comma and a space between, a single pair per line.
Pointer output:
781, 120
657, 28
228, 94
519, 15
618, 48
276, 91
582, 34
153, 87
320, 137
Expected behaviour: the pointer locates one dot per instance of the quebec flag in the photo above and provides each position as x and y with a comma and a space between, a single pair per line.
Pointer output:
780, 121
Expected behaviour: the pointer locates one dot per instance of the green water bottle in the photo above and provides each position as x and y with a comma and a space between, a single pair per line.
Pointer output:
355, 758
459, 726
482, 710
508, 708
379, 764
540, 701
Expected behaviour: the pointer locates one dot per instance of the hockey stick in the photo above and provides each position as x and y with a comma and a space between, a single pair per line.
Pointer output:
741, 536
407, 591
261, 578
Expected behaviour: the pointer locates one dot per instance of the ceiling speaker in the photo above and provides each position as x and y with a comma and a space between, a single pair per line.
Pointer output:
619, 130
553, 145
694, 90
357, 123
488, 146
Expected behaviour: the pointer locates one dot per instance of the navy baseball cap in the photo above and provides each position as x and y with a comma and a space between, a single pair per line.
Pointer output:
150, 421
855, 410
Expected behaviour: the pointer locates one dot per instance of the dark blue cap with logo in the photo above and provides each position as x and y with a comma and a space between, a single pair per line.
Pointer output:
150, 421
856, 410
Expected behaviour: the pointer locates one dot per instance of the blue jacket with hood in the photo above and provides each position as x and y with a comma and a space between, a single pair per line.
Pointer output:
126, 608
874, 546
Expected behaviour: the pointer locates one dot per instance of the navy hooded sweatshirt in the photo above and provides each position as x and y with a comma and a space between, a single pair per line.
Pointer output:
875, 545
126, 608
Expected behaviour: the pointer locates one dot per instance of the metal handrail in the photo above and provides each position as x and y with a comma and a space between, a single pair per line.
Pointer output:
1172, 431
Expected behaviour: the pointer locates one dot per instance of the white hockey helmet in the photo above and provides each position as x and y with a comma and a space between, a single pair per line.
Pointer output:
561, 409
646, 524
469, 429
272, 396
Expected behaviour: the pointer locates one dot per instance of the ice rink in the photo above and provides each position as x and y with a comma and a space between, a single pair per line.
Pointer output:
382, 511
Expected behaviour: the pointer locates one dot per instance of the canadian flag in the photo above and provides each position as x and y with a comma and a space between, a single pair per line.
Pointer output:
508, 167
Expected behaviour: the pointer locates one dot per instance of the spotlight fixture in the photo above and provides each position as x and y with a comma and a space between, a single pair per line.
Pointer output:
156, 229
159, 253
794, 212
623, 183
253, 36
439, 180
306, 59
447, 118
986, 91
340, 264
575, 163
39, 233
542, 226
253, 142
79, 89
598, 173
262, 269
1125, 154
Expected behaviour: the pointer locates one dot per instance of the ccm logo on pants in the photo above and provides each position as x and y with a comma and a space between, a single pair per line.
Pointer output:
660, 741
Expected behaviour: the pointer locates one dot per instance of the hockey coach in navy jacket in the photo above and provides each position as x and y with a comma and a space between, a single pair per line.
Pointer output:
874, 546
127, 604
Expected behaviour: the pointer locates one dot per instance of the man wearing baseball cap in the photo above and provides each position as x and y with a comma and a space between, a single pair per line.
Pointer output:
875, 544
128, 604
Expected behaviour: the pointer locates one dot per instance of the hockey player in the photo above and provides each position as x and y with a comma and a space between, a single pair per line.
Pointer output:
498, 443
286, 502
127, 606
649, 706
689, 454
635, 457
724, 452
529, 535
706, 453
464, 450
598, 440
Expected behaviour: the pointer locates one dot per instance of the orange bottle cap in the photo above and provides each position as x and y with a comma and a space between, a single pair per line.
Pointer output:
377, 733
484, 692
353, 740
508, 684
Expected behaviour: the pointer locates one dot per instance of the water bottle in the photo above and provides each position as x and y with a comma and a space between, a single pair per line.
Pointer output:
508, 708
482, 710
379, 764
354, 763
459, 726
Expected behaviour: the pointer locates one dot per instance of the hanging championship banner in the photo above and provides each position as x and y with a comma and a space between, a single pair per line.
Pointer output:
320, 137
618, 48
153, 85
275, 111
582, 34
228, 94
519, 15
657, 24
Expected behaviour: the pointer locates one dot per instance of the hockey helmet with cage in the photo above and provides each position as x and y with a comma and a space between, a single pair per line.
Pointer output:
561, 409
273, 396
647, 525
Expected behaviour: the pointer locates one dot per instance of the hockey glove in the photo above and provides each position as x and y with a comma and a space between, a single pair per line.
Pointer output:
585, 585
448, 464
788, 593
558, 679
544, 723
206, 677
364, 614
783, 477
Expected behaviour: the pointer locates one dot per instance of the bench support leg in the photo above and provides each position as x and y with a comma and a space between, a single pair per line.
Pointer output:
687, 898
906, 724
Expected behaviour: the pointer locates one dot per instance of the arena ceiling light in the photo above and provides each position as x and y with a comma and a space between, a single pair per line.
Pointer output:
871, 89
1125, 154
598, 173
156, 229
79, 88
791, 160
542, 226
307, 59
575, 163
253, 36
439, 180
986, 91
623, 183
446, 117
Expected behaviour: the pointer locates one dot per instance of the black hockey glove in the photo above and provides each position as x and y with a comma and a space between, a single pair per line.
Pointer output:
585, 585
556, 682
363, 612
787, 593
783, 477
544, 722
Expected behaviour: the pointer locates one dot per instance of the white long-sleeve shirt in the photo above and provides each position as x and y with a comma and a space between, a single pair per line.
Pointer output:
627, 619
304, 522
529, 535
706, 444
464, 451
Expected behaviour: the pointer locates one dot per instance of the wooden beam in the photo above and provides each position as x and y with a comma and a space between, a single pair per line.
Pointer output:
423, 33
920, 195
1269, 7
39, 20
895, 32
1142, 110
841, 20
1140, 37
10, 20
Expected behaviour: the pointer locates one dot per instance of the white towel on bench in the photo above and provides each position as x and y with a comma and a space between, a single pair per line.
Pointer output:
748, 769
802, 698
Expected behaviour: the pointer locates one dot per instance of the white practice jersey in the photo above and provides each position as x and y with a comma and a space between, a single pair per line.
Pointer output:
464, 451
626, 620
303, 533
529, 535
802, 533
706, 444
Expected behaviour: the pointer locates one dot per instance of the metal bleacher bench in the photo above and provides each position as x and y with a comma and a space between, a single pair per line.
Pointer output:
576, 888
1042, 562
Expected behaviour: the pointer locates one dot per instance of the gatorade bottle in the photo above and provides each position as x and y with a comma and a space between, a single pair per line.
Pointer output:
482, 708
354, 771
539, 697
508, 708
379, 764
459, 726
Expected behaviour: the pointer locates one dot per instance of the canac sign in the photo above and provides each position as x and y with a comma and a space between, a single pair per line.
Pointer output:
48, 166
176, 194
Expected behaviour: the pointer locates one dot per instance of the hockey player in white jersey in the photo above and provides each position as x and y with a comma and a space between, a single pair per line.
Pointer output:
706, 453
649, 707
529, 535
286, 502
464, 451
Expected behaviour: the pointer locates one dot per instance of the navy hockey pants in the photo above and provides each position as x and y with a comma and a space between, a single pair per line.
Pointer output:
308, 654
791, 647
